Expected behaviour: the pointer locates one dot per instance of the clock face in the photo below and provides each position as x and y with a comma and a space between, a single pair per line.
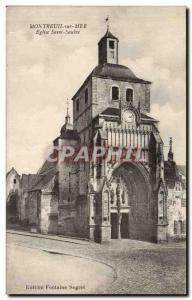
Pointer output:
128, 117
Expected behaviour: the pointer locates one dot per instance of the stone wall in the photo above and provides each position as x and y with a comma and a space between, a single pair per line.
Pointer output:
68, 176
49, 213
34, 200
82, 118
99, 91
24, 197
82, 217
176, 214
101, 99
67, 220
142, 231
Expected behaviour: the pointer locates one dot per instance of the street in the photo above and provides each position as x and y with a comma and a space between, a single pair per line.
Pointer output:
39, 264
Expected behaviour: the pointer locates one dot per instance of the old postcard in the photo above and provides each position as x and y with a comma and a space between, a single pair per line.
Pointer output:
96, 150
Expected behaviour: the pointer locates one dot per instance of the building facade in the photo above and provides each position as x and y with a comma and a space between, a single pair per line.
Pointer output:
103, 199
175, 178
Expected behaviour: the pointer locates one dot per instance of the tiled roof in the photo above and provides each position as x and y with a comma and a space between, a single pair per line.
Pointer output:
108, 34
43, 180
28, 180
12, 171
69, 134
47, 165
112, 111
116, 72
144, 116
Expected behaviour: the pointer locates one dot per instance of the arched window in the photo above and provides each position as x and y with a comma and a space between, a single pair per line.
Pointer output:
115, 93
129, 95
14, 181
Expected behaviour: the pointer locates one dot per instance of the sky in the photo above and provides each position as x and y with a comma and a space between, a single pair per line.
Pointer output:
44, 70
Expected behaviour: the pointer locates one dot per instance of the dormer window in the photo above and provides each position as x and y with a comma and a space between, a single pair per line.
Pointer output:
77, 105
115, 93
129, 95
86, 96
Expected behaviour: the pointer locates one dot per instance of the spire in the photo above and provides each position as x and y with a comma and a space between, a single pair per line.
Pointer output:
67, 124
170, 153
67, 117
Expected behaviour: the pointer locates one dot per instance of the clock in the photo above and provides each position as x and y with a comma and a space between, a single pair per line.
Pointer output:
128, 116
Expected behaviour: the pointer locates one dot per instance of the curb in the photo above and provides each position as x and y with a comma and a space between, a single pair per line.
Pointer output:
49, 237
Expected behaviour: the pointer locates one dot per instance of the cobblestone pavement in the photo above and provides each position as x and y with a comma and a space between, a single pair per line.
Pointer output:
139, 267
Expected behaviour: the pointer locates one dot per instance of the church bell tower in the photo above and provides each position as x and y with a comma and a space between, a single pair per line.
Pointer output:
108, 49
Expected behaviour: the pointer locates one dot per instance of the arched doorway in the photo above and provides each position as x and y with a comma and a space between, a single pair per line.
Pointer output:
12, 208
133, 210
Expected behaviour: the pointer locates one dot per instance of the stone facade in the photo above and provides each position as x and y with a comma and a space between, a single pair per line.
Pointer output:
177, 212
176, 200
104, 199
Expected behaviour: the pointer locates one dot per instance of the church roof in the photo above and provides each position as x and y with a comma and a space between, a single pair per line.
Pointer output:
146, 117
116, 72
69, 134
108, 34
112, 111
12, 171
28, 180
44, 179
47, 165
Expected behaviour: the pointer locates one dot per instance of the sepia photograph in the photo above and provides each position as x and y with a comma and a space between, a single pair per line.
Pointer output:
96, 180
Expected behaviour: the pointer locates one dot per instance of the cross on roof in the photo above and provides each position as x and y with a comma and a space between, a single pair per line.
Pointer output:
107, 21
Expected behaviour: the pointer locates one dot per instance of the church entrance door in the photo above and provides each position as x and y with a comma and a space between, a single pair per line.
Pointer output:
132, 203
125, 226
114, 225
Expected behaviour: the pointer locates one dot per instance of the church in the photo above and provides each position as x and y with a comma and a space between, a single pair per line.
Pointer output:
103, 199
